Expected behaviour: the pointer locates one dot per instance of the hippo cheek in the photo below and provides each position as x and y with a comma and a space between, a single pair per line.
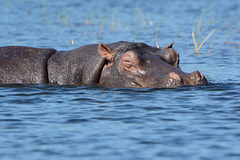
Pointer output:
108, 78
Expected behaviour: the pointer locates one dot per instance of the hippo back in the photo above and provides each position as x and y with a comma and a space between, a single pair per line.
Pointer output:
24, 65
81, 66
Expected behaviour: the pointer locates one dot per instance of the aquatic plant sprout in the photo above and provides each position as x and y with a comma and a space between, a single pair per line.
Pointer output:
196, 46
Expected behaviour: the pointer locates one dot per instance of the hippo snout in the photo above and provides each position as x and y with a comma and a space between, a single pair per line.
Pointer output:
195, 78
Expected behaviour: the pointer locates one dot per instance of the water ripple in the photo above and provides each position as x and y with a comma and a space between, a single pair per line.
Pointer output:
77, 120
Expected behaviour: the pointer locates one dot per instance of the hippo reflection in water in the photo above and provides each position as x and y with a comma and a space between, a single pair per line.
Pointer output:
120, 64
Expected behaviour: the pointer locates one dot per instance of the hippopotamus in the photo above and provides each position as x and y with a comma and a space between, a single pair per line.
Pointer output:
121, 64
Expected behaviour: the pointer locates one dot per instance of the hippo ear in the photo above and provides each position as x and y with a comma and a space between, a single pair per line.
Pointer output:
169, 46
105, 51
130, 63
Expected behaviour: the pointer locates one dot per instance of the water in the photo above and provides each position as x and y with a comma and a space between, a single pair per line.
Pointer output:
71, 122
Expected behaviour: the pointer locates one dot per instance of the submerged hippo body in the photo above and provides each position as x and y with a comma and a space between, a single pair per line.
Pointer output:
21, 65
121, 64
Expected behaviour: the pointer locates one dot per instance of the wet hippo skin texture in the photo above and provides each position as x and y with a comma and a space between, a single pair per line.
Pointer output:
20, 65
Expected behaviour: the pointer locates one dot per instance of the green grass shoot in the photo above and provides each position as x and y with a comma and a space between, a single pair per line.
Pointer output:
205, 40
196, 46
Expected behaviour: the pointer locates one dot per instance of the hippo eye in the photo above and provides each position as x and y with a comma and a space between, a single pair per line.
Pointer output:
128, 64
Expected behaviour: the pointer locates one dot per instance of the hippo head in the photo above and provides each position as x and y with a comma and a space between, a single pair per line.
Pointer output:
137, 65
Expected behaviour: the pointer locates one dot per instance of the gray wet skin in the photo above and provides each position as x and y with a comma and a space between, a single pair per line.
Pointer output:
22, 65
120, 64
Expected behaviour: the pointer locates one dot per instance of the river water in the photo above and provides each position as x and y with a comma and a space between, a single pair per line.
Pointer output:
71, 122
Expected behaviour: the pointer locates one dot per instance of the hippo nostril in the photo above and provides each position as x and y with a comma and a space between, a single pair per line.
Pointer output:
175, 76
198, 75
201, 76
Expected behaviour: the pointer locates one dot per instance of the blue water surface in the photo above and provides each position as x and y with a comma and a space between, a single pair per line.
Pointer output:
71, 122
